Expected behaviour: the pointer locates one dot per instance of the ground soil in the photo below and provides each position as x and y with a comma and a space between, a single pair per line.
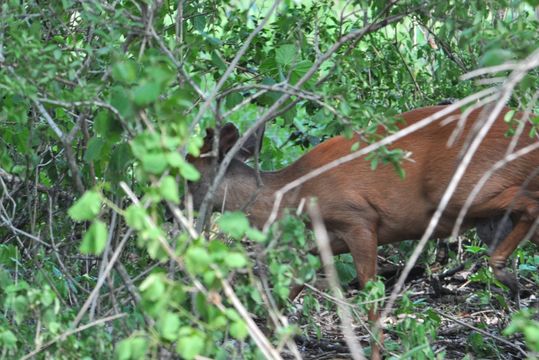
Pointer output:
454, 297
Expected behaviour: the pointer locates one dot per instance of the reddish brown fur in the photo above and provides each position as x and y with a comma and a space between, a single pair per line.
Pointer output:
362, 208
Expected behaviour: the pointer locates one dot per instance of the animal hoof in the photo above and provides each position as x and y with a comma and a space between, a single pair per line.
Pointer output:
295, 291
508, 279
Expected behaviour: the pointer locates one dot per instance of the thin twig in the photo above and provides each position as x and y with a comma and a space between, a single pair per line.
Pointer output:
481, 331
479, 186
63, 336
270, 113
255, 333
259, 338
322, 241
102, 278
105, 257
354, 155
234, 62
66, 141
489, 70
504, 93
97, 103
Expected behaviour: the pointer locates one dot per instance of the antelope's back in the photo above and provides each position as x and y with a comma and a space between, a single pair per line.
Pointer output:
428, 169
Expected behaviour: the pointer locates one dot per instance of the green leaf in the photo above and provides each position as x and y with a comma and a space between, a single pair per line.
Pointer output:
496, 57
20, 306
94, 149
194, 145
47, 296
154, 163
8, 339
286, 54
169, 190
120, 159
131, 348
146, 93
509, 116
168, 326
255, 235
346, 271
5, 278
153, 287
197, 259
87, 207
233, 100
238, 329
527, 267
107, 126
153, 245
235, 260
234, 224
125, 71
190, 344
199, 23
135, 217
160, 74
175, 159
119, 99
531, 334
57, 54
189, 172
95, 239
299, 70
216, 60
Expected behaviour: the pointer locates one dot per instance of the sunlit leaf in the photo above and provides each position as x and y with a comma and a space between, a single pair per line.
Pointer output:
87, 207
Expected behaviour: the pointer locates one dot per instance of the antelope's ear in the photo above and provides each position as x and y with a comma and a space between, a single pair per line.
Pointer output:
229, 135
252, 145
227, 138
208, 141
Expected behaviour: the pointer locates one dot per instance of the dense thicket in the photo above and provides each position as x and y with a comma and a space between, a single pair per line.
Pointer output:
101, 100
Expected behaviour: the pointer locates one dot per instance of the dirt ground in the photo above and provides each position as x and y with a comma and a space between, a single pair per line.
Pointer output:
454, 298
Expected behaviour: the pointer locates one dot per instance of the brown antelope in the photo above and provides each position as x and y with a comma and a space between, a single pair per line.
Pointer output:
362, 208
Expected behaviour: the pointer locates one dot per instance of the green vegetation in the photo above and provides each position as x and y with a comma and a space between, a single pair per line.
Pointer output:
100, 101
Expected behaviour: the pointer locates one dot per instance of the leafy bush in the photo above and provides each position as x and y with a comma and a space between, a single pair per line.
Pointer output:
100, 102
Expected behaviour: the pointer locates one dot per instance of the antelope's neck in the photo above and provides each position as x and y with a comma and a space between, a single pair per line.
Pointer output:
242, 191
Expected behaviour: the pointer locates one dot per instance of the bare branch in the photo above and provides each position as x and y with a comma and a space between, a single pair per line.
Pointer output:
481, 331
477, 188
49, 120
102, 278
322, 241
235, 61
504, 93
270, 113
259, 338
490, 70
354, 155
255, 333
65, 335
97, 103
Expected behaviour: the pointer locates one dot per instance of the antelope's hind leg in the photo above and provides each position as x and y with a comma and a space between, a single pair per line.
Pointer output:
506, 247
526, 205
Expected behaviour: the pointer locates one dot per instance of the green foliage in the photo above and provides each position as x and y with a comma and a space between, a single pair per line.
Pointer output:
131, 348
417, 329
95, 239
287, 263
234, 224
100, 116
523, 322
87, 207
